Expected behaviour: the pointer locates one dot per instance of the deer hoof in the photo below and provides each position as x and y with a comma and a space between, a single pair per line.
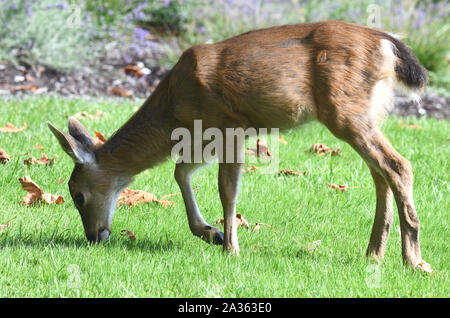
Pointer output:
424, 267
218, 238
213, 235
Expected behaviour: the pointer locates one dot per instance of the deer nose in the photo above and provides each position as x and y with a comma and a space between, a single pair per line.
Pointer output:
103, 235
100, 236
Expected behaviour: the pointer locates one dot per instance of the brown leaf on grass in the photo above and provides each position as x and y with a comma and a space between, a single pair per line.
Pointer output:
36, 195
240, 221
261, 150
3, 226
99, 138
120, 92
321, 149
10, 128
4, 157
134, 197
409, 125
250, 169
133, 70
258, 226
338, 187
43, 161
282, 140
128, 233
31, 88
288, 172
40, 147
6, 224
173, 194
98, 113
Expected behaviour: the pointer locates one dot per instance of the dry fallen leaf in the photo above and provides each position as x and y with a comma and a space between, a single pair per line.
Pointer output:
282, 140
6, 224
128, 233
98, 114
43, 161
10, 128
4, 157
99, 138
36, 195
3, 226
250, 169
133, 70
413, 126
288, 172
240, 221
32, 88
321, 150
40, 147
261, 149
338, 187
134, 197
120, 92
258, 226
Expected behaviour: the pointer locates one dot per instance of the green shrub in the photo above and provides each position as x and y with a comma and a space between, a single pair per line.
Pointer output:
45, 33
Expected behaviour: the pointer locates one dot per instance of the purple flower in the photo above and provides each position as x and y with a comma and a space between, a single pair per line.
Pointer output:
127, 59
30, 11
141, 34
62, 5
136, 48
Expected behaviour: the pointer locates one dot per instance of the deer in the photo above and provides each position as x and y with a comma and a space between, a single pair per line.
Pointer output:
340, 74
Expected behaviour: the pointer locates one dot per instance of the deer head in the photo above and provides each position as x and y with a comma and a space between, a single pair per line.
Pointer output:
93, 188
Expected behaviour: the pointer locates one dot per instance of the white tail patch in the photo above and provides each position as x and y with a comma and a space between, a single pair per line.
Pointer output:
382, 99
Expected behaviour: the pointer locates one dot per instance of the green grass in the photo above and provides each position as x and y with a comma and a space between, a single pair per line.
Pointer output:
43, 253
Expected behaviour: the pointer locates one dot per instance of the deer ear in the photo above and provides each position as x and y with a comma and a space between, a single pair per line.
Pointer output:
75, 149
77, 131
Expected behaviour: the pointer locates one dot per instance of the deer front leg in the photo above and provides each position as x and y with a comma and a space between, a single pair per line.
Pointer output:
197, 224
229, 175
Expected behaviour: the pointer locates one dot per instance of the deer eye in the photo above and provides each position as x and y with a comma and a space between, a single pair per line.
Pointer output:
79, 199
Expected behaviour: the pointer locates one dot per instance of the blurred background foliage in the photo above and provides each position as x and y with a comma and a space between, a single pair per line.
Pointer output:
65, 34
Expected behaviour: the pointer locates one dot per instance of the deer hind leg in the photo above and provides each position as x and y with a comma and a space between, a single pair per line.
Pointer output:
197, 225
366, 138
383, 217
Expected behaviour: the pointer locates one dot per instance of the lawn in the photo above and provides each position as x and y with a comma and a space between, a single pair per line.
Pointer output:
316, 250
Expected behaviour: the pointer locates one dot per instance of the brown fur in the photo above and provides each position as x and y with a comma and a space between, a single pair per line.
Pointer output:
279, 77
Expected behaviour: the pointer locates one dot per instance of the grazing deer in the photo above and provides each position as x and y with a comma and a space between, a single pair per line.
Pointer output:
338, 73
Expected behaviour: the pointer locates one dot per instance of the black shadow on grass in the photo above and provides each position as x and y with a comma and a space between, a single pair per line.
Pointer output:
143, 244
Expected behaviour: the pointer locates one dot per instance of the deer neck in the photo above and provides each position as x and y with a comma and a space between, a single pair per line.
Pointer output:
143, 141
